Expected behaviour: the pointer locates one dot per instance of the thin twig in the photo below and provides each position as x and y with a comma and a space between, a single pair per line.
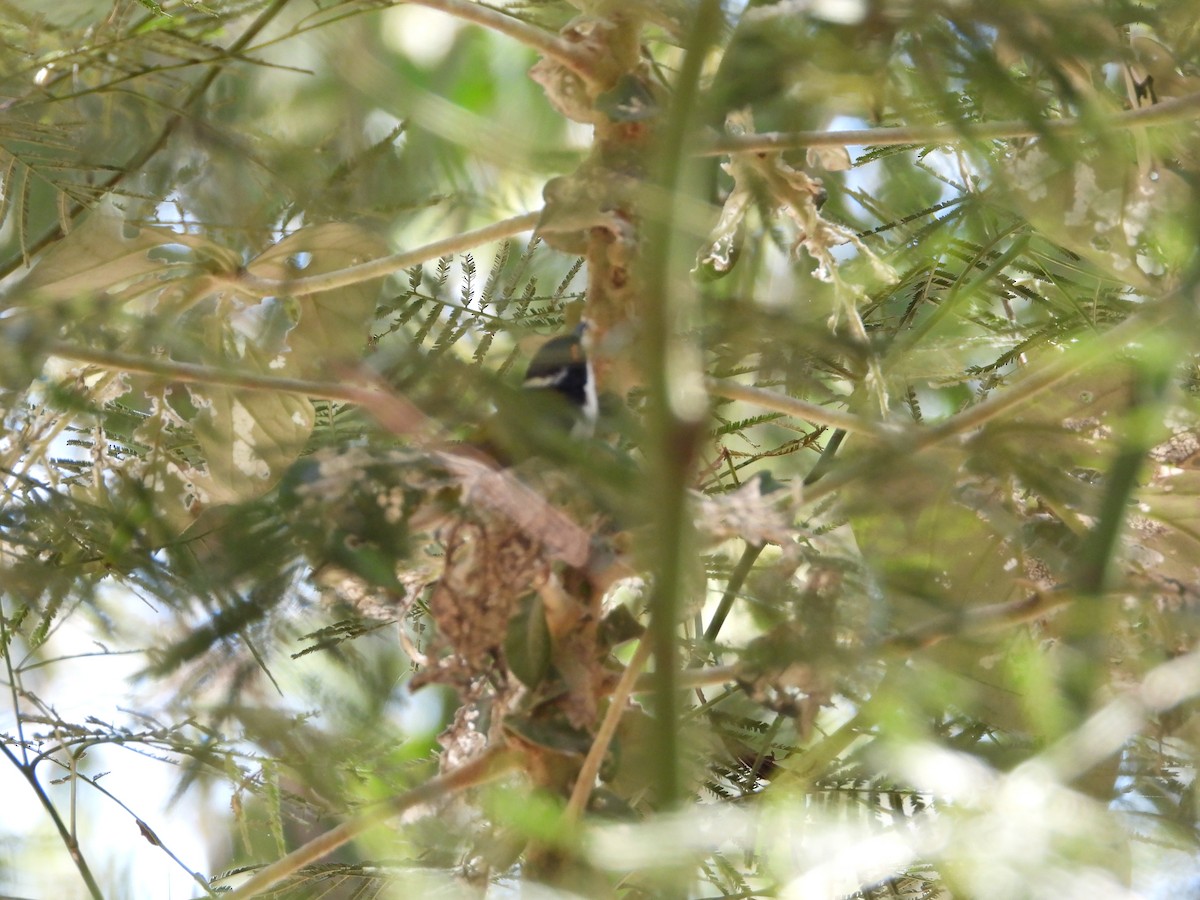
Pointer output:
377, 268
544, 42
977, 620
1167, 112
6, 644
1100, 346
324, 390
489, 766
146, 831
800, 409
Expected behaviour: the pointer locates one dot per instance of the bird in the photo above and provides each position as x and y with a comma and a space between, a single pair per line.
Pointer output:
561, 365
554, 410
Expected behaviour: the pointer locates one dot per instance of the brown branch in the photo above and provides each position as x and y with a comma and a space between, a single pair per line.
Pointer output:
491, 765
501, 491
486, 485
977, 619
483, 482
1165, 113
544, 42
971, 621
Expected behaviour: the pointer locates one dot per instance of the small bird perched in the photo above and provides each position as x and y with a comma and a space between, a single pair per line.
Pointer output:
562, 365
556, 406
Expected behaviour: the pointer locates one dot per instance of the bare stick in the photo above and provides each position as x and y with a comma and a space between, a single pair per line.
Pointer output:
1033, 382
64, 833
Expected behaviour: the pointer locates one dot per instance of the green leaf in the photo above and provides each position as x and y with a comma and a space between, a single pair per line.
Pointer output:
331, 326
369, 561
527, 643
22, 340
553, 734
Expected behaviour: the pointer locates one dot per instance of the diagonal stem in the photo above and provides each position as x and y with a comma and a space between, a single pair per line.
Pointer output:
64, 833
314, 284
491, 765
